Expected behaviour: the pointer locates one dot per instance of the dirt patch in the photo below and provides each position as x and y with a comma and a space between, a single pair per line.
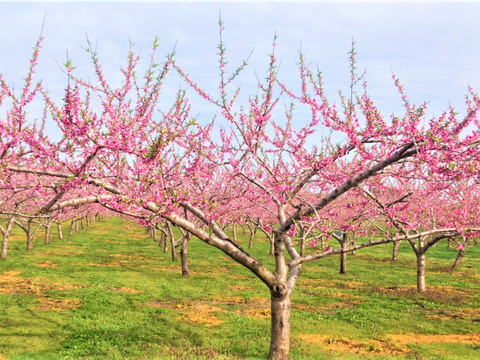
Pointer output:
328, 308
338, 344
191, 311
200, 313
308, 283
132, 257
404, 339
47, 264
441, 294
11, 283
56, 304
391, 344
61, 250
240, 288
126, 290
455, 314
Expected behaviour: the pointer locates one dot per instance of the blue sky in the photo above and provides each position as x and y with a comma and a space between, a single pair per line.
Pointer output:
434, 47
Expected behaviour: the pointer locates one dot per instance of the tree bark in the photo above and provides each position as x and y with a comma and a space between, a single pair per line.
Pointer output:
458, 259
184, 253
47, 233
252, 228
173, 244
60, 233
29, 235
280, 323
396, 245
6, 237
234, 231
72, 227
421, 270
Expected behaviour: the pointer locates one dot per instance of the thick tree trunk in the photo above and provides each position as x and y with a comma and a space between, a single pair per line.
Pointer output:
6, 237
421, 270
29, 240
280, 332
396, 245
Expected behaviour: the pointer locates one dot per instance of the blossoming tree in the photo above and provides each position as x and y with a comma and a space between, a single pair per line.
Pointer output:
119, 151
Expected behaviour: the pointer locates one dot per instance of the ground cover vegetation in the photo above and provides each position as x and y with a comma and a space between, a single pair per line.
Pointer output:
346, 172
110, 292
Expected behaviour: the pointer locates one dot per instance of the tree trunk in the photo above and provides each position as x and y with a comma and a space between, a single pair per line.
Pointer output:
153, 233
252, 230
29, 240
280, 332
449, 243
77, 222
60, 233
6, 237
47, 233
184, 253
173, 243
72, 227
272, 244
421, 270
396, 245
343, 255
29, 235
234, 231
165, 245
458, 259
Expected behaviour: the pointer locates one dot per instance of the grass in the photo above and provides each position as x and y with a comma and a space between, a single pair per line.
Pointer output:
109, 292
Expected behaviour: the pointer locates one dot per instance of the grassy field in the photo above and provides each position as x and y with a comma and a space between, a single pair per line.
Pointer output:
110, 293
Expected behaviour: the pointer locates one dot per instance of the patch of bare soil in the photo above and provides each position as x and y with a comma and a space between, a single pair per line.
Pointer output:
200, 313
240, 287
328, 307
47, 264
126, 290
441, 294
11, 283
132, 257
338, 344
191, 311
56, 304
456, 314
391, 344
404, 339
308, 283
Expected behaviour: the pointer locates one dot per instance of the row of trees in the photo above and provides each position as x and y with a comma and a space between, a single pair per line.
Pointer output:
347, 171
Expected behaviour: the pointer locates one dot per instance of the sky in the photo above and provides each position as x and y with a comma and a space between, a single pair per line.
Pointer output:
433, 47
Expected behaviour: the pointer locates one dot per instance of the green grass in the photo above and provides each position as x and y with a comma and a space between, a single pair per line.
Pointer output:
110, 293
